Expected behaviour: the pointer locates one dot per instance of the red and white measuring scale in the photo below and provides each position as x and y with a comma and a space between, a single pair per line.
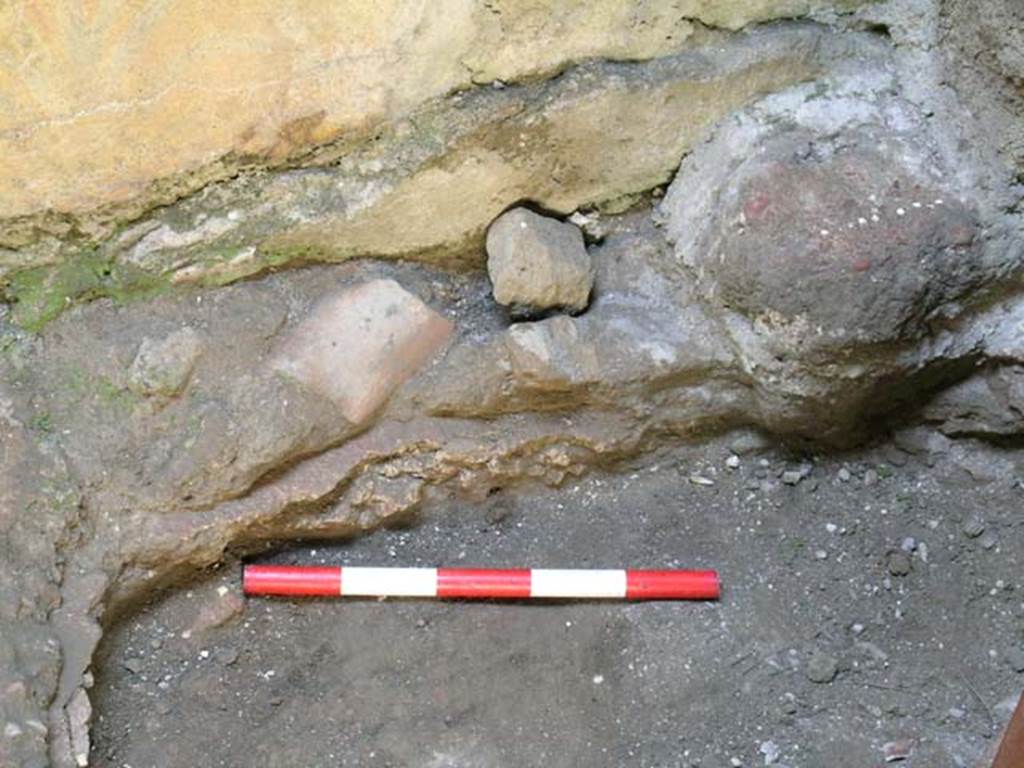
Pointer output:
481, 583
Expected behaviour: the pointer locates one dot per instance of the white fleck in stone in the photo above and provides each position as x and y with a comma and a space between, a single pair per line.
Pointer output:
770, 750
831, 527
598, 679
916, 204
824, 233
733, 462
900, 212
862, 221
874, 217
222, 590
938, 201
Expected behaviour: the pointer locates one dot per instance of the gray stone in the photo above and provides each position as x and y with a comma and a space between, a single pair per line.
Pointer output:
900, 563
792, 476
537, 264
973, 526
829, 230
226, 655
162, 366
989, 403
822, 667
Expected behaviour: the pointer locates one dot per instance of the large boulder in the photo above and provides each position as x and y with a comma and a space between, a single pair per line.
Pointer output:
538, 263
832, 233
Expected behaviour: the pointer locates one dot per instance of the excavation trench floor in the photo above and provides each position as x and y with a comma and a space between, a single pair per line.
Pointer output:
927, 658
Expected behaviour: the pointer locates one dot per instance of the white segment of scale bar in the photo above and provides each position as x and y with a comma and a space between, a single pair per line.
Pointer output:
577, 583
388, 582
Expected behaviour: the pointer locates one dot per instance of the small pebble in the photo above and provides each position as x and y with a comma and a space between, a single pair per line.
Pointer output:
733, 462
909, 544
831, 527
857, 629
822, 668
701, 480
899, 563
973, 527
871, 477
133, 665
895, 751
820, 554
226, 656
957, 713
792, 476
844, 475
988, 540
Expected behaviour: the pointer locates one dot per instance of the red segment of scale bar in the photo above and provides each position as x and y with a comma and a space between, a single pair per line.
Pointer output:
508, 584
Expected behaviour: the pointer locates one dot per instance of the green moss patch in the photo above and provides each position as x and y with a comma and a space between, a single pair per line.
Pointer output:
40, 294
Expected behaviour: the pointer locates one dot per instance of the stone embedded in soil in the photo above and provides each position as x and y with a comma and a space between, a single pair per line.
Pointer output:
162, 366
537, 264
895, 751
822, 668
822, 233
973, 526
900, 563
829, 239
360, 344
216, 611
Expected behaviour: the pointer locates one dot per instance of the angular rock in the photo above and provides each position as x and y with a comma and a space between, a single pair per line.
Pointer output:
989, 404
537, 263
361, 344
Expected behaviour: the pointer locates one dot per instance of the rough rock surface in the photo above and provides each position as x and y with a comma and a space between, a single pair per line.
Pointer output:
162, 366
359, 345
834, 234
537, 263
104, 116
428, 187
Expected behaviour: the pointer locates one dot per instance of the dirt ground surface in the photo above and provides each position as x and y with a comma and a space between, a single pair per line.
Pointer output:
871, 602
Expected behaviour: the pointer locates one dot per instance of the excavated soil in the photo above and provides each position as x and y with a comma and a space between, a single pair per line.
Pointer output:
896, 569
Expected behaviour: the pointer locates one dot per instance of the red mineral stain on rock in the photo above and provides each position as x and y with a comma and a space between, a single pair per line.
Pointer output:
756, 206
862, 265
